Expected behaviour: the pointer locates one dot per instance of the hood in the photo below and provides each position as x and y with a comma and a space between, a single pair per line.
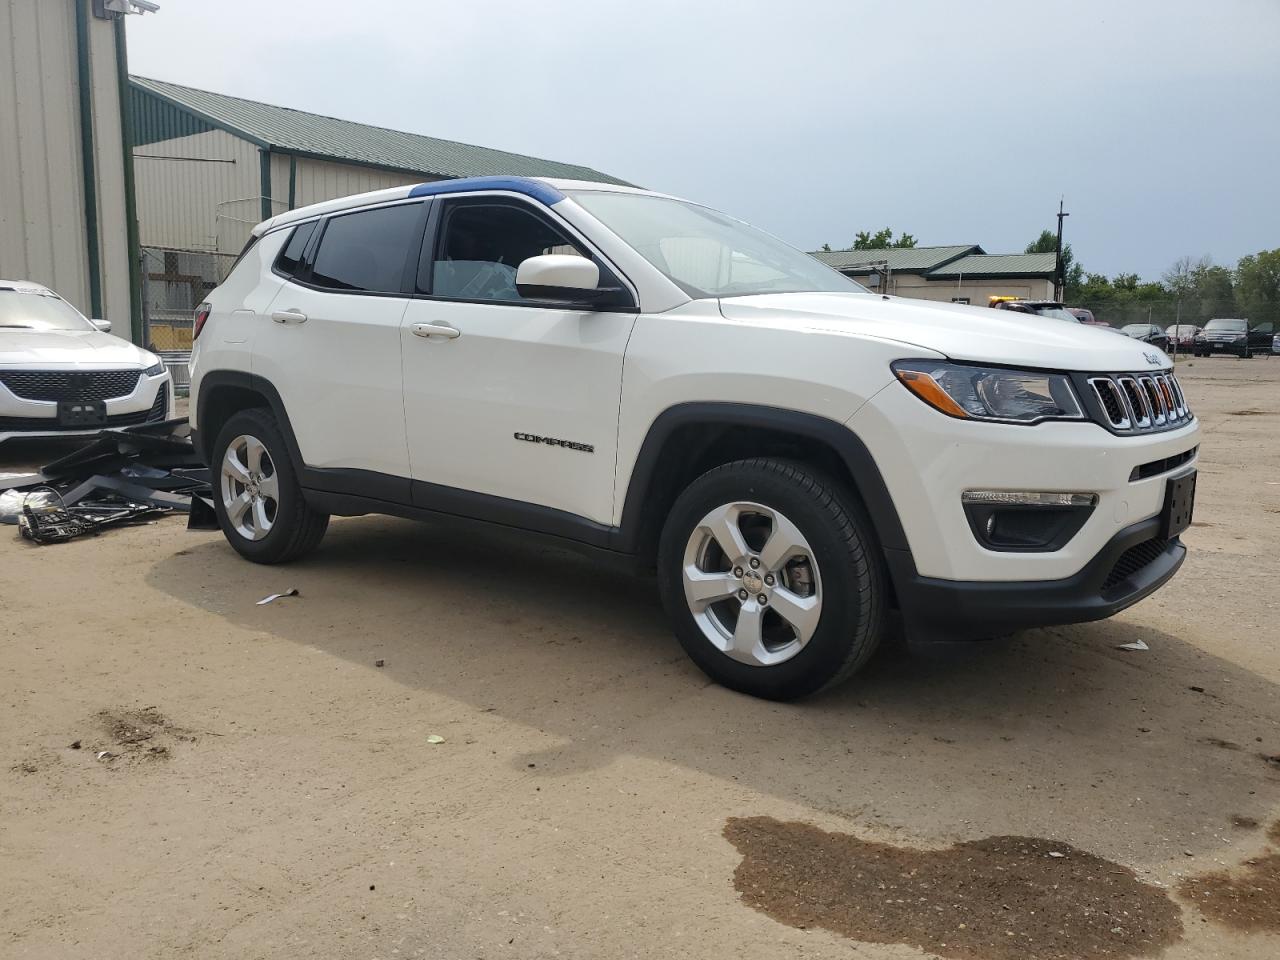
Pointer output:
70, 349
957, 331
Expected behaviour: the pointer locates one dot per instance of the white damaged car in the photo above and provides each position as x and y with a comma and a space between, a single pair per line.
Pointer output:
63, 375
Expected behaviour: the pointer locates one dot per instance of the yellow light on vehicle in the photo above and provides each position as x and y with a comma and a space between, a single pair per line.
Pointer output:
928, 390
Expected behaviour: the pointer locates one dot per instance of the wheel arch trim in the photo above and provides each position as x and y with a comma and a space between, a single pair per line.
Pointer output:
847, 445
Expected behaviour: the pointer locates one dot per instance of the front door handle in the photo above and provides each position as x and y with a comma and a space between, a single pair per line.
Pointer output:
289, 316
435, 330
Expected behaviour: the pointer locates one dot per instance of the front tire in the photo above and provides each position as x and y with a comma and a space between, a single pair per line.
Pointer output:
256, 495
771, 578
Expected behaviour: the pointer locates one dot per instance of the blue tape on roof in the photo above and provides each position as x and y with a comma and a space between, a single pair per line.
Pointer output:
532, 188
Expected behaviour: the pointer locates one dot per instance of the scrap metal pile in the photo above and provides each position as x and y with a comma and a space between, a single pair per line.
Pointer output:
123, 476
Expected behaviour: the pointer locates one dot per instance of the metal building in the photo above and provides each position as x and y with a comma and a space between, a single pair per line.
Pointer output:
66, 204
210, 166
962, 273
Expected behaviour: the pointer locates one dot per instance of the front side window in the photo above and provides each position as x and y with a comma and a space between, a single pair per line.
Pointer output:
38, 311
365, 252
706, 253
481, 246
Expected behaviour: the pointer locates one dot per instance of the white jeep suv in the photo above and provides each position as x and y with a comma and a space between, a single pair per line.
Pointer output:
646, 377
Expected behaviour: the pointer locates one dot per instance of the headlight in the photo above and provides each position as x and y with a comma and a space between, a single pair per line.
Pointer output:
990, 393
155, 369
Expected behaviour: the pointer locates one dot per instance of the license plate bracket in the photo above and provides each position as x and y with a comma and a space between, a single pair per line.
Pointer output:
1179, 505
82, 413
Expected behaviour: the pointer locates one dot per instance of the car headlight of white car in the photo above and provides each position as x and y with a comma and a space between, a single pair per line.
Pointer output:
155, 369
990, 393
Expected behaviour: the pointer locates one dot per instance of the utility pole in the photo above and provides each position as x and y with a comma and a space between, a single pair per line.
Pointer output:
1059, 278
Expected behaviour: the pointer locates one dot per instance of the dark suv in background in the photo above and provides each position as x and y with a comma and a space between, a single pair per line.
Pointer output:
1148, 333
1234, 336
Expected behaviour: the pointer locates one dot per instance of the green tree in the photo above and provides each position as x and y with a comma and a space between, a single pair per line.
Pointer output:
882, 240
1258, 287
1072, 272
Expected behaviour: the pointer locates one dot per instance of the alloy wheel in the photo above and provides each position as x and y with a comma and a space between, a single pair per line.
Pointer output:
249, 487
752, 583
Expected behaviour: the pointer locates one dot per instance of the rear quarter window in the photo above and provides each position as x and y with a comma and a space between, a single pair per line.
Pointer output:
366, 251
290, 258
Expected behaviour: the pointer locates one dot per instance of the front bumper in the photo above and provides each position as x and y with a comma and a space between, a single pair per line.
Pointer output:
928, 460
151, 401
1132, 565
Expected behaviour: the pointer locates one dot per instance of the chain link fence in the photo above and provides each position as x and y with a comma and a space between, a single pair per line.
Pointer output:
174, 283
1164, 313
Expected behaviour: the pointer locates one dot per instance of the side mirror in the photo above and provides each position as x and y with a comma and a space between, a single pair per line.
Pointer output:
103, 325
557, 276
569, 280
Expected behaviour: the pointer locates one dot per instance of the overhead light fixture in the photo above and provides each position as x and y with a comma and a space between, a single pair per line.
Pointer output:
130, 6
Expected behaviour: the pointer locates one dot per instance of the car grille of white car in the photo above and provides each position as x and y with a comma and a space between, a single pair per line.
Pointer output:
1141, 402
50, 424
70, 384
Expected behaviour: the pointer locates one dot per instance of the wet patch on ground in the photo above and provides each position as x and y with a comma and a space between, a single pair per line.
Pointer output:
1246, 898
1249, 413
136, 735
1000, 898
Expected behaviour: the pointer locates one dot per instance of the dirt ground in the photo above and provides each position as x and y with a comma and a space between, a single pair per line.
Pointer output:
267, 791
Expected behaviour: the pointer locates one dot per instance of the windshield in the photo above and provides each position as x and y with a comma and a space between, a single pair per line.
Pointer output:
37, 311
1237, 326
1136, 328
708, 254
1057, 313
1181, 330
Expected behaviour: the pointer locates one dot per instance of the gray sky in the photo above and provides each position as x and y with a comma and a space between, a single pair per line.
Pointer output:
957, 122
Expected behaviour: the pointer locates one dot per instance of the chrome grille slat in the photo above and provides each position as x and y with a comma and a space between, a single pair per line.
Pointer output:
1156, 399
1111, 398
1136, 397
1135, 403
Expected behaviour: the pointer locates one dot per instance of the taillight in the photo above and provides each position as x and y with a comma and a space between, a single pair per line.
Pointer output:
202, 314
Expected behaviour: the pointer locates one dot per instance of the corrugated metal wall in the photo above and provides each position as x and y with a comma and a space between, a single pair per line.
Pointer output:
42, 222
203, 196
318, 180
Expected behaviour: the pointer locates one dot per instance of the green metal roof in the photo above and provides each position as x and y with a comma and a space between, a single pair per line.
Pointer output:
900, 259
159, 107
999, 265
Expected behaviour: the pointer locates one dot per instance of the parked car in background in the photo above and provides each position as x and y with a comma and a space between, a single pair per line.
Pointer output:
1233, 335
1086, 317
63, 375
1275, 343
1040, 308
792, 454
1182, 336
1148, 333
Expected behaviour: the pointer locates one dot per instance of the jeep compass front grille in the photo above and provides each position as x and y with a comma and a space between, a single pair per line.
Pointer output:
1138, 402
70, 384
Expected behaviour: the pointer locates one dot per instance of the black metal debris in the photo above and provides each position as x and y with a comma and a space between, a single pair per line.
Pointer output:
125, 475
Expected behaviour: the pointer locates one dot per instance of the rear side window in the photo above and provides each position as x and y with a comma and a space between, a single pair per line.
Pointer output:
291, 256
365, 252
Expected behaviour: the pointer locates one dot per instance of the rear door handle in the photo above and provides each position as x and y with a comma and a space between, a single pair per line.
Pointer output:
289, 316
435, 330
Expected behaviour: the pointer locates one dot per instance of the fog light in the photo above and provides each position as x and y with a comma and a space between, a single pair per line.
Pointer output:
1030, 498
1026, 521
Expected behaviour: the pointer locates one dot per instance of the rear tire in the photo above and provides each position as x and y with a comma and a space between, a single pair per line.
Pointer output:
256, 495
809, 615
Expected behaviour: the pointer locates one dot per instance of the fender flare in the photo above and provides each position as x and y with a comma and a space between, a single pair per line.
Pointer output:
857, 459
241, 380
